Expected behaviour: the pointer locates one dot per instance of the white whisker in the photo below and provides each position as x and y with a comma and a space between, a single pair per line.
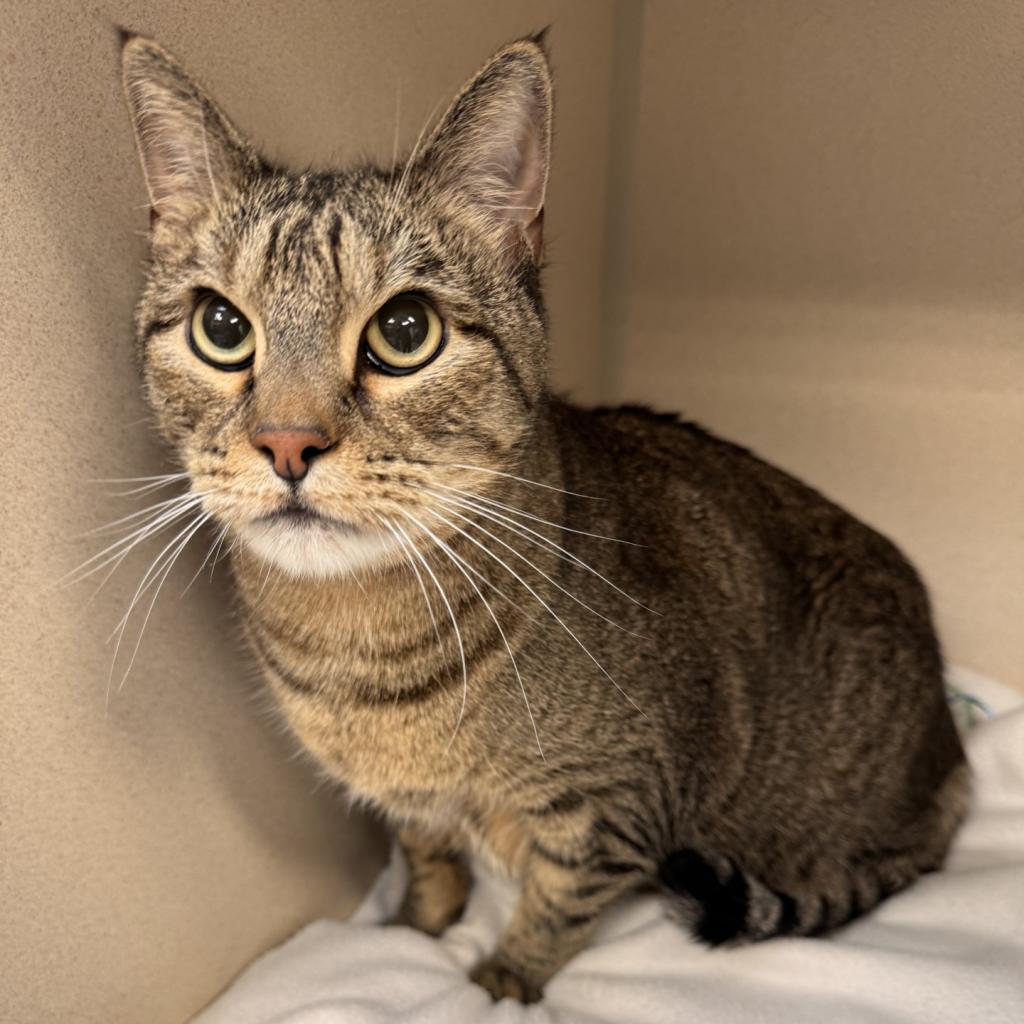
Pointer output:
419, 578
152, 572
132, 479
148, 488
156, 573
117, 559
537, 519
458, 561
146, 483
523, 480
538, 539
264, 576
142, 513
152, 477
156, 593
159, 519
455, 624
490, 554
218, 555
357, 581
490, 585
219, 539
537, 568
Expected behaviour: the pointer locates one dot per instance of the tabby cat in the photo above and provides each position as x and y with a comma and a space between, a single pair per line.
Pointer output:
600, 648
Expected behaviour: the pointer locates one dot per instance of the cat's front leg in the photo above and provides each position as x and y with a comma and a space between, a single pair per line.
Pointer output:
561, 901
439, 880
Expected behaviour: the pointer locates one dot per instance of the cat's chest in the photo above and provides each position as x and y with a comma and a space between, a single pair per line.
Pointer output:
407, 767
382, 750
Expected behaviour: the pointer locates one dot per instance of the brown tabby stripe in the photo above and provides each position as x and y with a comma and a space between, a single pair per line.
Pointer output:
477, 331
270, 256
564, 803
619, 867
559, 916
560, 859
309, 645
287, 677
433, 687
333, 237
586, 891
158, 326
611, 829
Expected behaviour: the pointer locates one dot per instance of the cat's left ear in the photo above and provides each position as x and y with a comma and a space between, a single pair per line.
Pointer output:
191, 153
492, 148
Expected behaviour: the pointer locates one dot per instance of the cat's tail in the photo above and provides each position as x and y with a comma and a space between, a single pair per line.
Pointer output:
723, 904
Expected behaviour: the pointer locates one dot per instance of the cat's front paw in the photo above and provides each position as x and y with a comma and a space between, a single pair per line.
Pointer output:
503, 981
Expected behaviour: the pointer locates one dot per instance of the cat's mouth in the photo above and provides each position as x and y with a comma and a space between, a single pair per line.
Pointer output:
306, 542
301, 516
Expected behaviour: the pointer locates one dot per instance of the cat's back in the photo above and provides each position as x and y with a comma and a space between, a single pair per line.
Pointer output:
680, 473
674, 454
748, 540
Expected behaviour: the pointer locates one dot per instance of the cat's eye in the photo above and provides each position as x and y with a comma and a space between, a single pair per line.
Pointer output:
220, 335
404, 335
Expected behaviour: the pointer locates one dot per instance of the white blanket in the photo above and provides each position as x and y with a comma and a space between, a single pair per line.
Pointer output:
951, 948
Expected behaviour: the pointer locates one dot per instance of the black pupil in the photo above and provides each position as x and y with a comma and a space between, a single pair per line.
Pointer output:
404, 325
224, 325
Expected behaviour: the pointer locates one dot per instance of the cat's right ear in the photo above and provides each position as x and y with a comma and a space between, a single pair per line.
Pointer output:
191, 154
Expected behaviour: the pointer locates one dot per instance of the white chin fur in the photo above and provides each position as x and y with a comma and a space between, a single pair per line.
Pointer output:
316, 550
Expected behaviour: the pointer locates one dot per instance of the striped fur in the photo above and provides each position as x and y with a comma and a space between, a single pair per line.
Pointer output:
702, 675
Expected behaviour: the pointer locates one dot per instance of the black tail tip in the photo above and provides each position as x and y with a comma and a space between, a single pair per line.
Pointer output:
722, 904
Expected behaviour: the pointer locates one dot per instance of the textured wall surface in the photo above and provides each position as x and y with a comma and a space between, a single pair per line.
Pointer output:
826, 263
152, 846
800, 220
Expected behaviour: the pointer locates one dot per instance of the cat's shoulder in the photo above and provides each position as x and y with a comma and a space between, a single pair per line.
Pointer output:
670, 451
664, 433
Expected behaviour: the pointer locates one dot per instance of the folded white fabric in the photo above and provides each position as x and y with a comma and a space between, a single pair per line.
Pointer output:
951, 948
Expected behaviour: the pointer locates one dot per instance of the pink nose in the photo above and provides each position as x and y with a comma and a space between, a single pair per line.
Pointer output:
291, 451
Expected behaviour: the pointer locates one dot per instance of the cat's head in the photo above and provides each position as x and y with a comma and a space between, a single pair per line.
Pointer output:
320, 348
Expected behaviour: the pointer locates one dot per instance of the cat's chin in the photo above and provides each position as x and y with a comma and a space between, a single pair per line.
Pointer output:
318, 550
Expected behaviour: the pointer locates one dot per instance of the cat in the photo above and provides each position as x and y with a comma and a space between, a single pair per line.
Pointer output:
602, 649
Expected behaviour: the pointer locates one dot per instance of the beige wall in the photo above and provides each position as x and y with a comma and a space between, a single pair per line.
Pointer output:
824, 231
807, 230
149, 850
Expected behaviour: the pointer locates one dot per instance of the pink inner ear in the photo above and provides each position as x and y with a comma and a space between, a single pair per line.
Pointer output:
531, 173
525, 172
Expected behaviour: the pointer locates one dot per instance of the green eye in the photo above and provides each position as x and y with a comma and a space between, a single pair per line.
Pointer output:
220, 335
404, 335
